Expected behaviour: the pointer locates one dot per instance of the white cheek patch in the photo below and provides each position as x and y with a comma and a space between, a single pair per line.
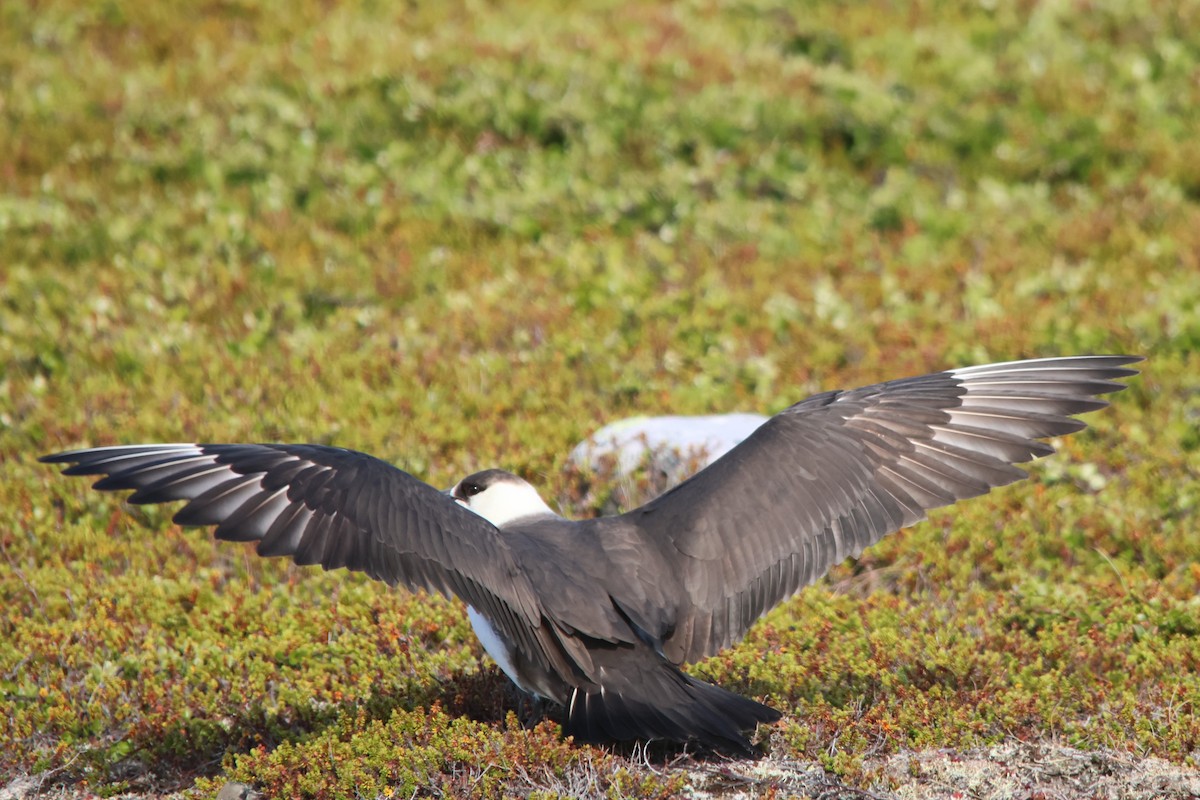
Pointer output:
502, 503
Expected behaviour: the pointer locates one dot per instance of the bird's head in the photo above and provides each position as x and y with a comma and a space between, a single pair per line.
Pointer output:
499, 497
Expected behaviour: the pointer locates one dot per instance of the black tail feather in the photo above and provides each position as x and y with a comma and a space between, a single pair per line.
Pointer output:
658, 701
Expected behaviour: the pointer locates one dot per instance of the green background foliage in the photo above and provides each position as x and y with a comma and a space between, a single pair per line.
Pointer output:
462, 235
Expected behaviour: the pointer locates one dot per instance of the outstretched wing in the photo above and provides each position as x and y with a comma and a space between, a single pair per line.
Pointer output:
328, 506
840, 470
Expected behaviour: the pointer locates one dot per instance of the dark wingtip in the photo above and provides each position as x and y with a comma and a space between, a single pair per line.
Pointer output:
1117, 370
1116, 365
1109, 359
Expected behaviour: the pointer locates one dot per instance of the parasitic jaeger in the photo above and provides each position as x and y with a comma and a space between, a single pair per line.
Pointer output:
598, 615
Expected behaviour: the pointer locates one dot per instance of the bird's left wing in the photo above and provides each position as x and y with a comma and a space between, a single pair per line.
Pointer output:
328, 506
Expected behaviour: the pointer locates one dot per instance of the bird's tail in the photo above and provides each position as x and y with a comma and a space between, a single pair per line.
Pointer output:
650, 698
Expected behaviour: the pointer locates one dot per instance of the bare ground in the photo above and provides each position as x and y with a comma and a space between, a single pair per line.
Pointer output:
1009, 771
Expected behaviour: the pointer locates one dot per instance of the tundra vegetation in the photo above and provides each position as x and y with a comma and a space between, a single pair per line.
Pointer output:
462, 235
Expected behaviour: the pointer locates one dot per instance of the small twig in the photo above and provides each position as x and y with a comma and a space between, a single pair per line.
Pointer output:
1117, 572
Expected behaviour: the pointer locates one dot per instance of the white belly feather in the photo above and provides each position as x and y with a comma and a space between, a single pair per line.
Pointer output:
496, 647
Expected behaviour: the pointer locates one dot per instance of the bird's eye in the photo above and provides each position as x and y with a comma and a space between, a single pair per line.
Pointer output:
471, 489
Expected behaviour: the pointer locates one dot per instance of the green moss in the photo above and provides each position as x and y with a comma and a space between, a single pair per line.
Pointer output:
466, 237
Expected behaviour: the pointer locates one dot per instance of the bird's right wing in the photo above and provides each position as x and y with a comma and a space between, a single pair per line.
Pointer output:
840, 470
